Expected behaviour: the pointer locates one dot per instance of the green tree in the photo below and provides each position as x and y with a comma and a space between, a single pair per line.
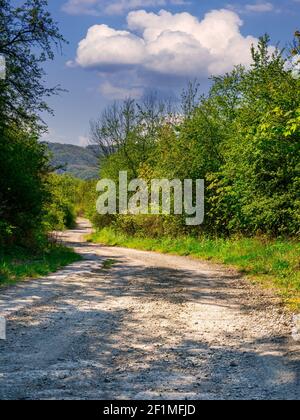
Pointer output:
126, 134
61, 209
27, 37
258, 183
23, 193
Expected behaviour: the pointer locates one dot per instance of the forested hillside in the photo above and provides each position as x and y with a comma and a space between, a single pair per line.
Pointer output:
80, 162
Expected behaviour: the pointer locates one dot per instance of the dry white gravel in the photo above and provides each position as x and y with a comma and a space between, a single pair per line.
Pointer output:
149, 327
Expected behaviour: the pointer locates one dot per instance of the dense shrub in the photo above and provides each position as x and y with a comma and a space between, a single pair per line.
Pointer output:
61, 211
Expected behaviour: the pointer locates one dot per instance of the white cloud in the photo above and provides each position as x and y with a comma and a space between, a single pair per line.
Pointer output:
81, 7
114, 92
177, 45
257, 7
113, 7
260, 7
107, 47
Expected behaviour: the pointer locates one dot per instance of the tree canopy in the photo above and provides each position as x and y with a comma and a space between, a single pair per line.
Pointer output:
28, 37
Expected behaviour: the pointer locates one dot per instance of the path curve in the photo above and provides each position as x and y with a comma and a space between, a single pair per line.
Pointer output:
126, 324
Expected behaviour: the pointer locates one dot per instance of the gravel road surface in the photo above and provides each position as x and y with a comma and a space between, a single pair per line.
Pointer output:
126, 324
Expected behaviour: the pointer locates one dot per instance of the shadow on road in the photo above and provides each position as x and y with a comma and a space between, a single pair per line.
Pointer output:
143, 332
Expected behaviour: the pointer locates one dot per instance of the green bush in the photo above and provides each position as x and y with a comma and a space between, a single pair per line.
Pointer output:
62, 209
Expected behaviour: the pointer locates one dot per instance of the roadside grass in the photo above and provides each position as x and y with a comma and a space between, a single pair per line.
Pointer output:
18, 264
272, 263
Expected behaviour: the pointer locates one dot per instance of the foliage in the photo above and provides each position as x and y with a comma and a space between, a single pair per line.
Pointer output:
86, 203
126, 134
80, 162
23, 191
60, 211
260, 177
27, 36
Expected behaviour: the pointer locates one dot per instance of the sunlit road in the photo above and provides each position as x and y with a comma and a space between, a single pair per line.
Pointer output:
139, 325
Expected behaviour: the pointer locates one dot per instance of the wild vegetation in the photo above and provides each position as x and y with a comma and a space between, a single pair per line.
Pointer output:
80, 162
31, 199
243, 140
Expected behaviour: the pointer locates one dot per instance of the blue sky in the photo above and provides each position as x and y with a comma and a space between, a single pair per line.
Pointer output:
122, 48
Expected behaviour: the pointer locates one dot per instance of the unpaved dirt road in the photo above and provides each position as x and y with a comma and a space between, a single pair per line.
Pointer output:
144, 326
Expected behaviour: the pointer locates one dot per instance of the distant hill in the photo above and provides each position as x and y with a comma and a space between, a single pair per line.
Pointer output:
81, 162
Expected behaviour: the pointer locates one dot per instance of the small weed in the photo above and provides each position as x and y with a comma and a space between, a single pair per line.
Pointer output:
108, 264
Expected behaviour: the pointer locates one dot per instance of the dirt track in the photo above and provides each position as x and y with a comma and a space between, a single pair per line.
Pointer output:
144, 326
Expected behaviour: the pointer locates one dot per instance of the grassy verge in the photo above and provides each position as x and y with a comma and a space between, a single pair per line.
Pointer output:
18, 264
272, 263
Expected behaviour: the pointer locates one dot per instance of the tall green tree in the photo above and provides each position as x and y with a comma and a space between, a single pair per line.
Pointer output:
28, 37
23, 192
258, 188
